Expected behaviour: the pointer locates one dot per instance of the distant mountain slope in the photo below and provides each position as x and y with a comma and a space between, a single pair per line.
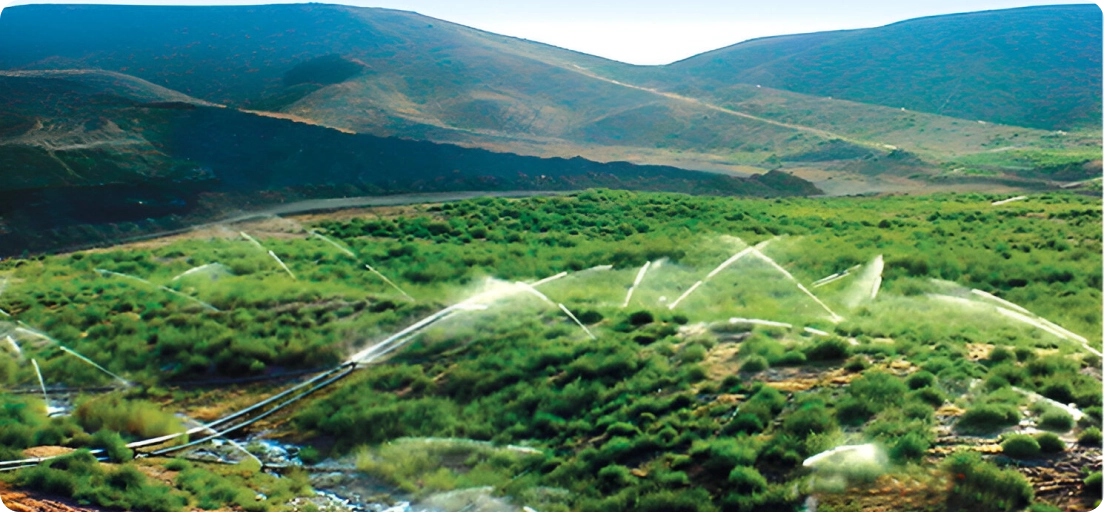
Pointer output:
1038, 67
89, 149
394, 73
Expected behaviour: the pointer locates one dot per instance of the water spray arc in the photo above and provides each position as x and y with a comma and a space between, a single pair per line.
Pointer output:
193, 270
353, 255
388, 281
833, 316
162, 288
74, 353
757, 321
15, 346
636, 282
282, 265
736, 257
270, 254
577, 322
550, 279
41, 384
333, 243
834, 277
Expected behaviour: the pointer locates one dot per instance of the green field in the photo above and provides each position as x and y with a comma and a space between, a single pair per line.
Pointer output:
649, 407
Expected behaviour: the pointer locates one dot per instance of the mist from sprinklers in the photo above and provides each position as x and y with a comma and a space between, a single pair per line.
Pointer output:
866, 285
725, 264
491, 291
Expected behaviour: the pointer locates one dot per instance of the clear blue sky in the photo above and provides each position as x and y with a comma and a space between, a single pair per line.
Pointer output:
652, 31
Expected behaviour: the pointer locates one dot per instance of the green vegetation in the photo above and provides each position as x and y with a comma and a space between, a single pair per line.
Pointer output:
981, 486
665, 408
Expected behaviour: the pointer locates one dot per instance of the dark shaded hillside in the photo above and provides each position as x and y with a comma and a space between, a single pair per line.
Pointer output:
98, 162
1037, 67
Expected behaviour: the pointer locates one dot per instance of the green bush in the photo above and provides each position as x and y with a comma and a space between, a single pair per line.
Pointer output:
309, 455
1089, 437
746, 480
930, 396
113, 445
744, 423
1093, 484
910, 447
791, 358
920, 379
692, 353
986, 418
1001, 354
135, 417
831, 349
855, 364
1020, 446
852, 411
614, 477
1056, 421
982, 487
754, 364
1050, 443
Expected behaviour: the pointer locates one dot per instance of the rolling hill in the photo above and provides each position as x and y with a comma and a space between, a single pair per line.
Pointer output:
117, 150
394, 73
1038, 67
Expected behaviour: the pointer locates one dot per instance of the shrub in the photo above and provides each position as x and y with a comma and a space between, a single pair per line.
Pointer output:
852, 412
920, 379
745, 423
309, 455
828, 350
1001, 354
754, 364
791, 358
1020, 446
113, 444
855, 364
692, 353
982, 487
614, 477
1093, 483
725, 454
1056, 421
1050, 443
641, 318
987, 418
910, 447
746, 480
135, 417
177, 465
1089, 437
808, 420
930, 396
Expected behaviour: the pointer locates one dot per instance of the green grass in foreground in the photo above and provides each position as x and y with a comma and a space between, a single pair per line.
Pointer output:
632, 420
